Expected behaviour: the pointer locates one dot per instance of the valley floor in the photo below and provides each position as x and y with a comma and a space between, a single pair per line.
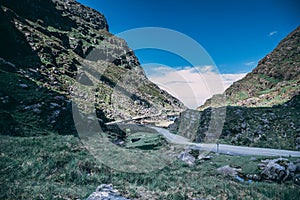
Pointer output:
59, 167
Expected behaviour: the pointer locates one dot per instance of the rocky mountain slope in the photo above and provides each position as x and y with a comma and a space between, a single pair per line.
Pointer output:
272, 127
262, 108
55, 51
275, 80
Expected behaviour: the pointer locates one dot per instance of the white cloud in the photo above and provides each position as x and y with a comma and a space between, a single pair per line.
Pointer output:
273, 33
251, 64
191, 85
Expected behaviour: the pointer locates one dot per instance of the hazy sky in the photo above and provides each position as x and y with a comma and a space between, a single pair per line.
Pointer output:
235, 33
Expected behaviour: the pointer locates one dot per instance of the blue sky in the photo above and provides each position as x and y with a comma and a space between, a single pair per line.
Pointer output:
235, 33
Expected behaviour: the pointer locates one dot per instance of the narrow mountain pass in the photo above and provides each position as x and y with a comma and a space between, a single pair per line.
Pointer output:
224, 148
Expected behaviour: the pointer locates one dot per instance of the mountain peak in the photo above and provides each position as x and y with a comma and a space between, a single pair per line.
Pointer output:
275, 80
49, 44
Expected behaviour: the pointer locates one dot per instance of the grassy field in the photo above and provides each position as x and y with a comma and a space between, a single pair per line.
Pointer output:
59, 167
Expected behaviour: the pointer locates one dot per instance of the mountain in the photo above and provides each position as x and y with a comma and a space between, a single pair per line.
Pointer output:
56, 52
270, 127
58, 57
262, 109
275, 80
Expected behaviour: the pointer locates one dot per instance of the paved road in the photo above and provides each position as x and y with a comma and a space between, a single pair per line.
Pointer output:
226, 149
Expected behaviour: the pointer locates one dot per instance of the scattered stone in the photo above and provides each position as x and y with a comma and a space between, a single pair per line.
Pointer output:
200, 157
106, 192
35, 108
187, 158
59, 98
278, 170
54, 105
4, 99
243, 125
296, 179
7, 66
119, 142
23, 86
254, 177
227, 170
253, 159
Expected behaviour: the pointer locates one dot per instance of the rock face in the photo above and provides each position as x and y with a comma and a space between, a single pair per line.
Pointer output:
275, 80
274, 127
105, 192
46, 45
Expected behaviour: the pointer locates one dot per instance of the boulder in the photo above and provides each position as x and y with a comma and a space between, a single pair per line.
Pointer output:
187, 158
227, 170
278, 170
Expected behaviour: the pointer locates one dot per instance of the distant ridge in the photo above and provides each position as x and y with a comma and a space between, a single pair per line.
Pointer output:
275, 80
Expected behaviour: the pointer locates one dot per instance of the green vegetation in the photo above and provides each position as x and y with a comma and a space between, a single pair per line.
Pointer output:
242, 96
59, 167
263, 127
144, 140
270, 79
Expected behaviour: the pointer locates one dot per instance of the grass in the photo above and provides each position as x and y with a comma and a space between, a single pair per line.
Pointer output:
59, 167
144, 140
270, 79
242, 96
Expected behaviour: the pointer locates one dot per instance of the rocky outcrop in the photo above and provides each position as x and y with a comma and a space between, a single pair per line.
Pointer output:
278, 170
275, 80
106, 192
48, 45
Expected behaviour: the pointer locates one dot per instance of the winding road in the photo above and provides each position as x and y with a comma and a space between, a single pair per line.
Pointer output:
224, 148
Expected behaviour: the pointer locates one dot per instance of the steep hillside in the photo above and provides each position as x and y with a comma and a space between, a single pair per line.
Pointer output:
271, 127
275, 80
45, 47
262, 108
